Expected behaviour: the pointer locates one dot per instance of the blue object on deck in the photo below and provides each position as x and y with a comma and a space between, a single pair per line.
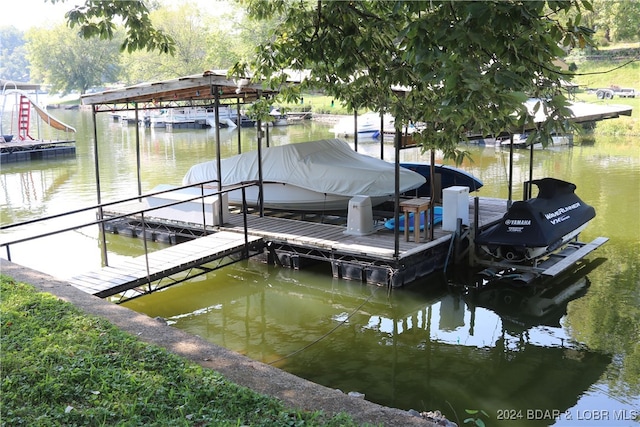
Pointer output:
436, 220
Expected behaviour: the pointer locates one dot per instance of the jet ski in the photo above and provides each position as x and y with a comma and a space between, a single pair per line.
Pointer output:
532, 229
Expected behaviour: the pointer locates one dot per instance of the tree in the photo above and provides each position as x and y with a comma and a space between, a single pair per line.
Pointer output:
97, 18
13, 61
186, 27
463, 66
70, 63
616, 20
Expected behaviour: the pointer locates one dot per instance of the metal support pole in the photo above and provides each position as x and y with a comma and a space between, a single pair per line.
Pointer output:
244, 221
530, 170
239, 123
396, 204
355, 129
381, 134
216, 110
105, 259
146, 249
135, 104
266, 131
260, 183
204, 212
432, 177
510, 198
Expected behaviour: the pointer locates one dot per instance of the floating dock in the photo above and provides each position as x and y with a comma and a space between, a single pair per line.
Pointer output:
21, 151
146, 273
17, 144
295, 240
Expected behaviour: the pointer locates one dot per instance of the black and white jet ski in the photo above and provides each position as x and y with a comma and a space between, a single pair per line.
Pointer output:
534, 228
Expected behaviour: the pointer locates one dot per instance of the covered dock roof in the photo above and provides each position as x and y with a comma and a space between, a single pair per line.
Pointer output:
198, 89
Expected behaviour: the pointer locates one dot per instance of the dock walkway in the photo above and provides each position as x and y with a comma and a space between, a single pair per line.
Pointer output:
295, 243
144, 270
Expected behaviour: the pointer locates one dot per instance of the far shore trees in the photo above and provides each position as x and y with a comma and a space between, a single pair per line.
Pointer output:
457, 66
70, 63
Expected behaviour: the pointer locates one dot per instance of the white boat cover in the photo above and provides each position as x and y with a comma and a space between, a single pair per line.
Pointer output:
327, 166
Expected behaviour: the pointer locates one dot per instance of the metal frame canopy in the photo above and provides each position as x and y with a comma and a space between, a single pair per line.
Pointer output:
198, 89
209, 89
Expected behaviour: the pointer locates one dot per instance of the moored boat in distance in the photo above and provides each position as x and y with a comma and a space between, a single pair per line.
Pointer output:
520, 140
191, 118
368, 125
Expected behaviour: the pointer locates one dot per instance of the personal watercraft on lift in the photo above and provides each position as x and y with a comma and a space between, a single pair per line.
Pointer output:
534, 228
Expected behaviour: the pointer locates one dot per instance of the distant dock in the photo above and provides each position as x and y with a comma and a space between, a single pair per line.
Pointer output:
29, 150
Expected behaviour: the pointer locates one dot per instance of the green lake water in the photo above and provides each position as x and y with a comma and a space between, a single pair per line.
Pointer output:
568, 355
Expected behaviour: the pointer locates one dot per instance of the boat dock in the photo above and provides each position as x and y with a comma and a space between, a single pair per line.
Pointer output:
151, 272
50, 138
294, 240
27, 150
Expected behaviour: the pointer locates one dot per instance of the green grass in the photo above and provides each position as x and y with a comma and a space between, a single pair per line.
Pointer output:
319, 104
591, 74
605, 73
61, 367
600, 74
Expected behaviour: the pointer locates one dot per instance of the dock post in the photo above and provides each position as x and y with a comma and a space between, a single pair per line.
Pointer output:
98, 195
204, 212
239, 123
138, 161
146, 250
458, 241
475, 232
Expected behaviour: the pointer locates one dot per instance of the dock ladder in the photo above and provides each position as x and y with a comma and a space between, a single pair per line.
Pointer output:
24, 118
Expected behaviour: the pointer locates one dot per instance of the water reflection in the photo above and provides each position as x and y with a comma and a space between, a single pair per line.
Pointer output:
428, 346
28, 190
424, 347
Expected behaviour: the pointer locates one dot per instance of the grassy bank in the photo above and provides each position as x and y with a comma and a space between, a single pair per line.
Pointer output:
63, 368
604, 74
615, 69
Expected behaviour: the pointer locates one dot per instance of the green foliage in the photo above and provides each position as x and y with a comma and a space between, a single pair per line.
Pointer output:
96, 19
63, 368
70, 63
475, 417
616, 21
189, 31
462, 65
13, 60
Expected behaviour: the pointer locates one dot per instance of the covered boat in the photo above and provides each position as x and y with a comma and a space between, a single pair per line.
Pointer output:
311, 176
449, 176
536, 227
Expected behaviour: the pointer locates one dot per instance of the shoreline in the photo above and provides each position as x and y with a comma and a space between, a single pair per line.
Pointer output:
293, 391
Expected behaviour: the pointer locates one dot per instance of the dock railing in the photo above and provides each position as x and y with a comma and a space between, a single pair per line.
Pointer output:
101, 220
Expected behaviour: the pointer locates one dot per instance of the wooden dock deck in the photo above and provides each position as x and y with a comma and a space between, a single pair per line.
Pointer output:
144, 270
369, 258
378, 245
